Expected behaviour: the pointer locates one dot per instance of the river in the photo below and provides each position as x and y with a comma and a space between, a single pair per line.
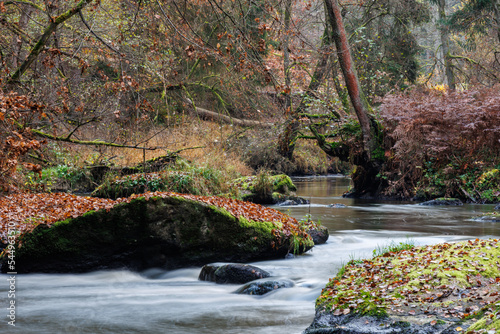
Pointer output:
158, 301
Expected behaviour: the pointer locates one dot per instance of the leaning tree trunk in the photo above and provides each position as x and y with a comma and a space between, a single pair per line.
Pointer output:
351, 79
365, 178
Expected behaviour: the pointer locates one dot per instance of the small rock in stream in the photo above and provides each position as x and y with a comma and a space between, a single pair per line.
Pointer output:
231, 273
264, 286
444, 201
337, 205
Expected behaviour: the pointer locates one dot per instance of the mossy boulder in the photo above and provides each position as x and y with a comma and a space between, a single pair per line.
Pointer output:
268, 189
446, 288
167, 232
319, 234
196, 181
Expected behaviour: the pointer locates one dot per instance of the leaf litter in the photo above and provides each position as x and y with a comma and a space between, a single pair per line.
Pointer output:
24, 211
450, 281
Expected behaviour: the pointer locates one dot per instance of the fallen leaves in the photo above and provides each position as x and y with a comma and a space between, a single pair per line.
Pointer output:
449, 281
25, 211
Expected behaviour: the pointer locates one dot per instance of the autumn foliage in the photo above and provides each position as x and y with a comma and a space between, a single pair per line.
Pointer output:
26, 211
447, 281
16, 140
430, 130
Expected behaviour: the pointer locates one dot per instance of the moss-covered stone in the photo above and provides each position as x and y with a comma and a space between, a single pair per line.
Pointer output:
166, 232
432, 289
267, 189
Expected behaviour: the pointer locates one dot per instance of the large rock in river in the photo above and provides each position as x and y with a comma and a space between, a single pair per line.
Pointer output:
159, 231
446, 288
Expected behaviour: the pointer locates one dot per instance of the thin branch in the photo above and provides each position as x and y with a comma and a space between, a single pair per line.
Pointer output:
89, 142
97, 36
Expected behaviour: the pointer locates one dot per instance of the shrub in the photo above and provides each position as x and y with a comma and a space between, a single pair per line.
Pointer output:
439, 144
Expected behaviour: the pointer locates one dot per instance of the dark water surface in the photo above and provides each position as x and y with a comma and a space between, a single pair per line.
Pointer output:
159, 301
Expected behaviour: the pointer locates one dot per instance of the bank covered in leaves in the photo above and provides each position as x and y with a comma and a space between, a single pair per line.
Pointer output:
66, 233
445, 288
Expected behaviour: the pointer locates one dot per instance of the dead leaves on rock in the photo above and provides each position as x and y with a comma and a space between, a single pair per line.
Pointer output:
446, 281
25, 211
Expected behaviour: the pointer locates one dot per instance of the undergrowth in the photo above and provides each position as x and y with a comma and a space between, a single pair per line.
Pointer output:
443, 144
180, 177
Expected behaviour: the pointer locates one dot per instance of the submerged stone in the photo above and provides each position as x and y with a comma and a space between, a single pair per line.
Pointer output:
264, 286
282, 200
444, 201
337, 205
492, 218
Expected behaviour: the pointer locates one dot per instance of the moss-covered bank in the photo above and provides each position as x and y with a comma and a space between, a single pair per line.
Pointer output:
167, 232
447, 288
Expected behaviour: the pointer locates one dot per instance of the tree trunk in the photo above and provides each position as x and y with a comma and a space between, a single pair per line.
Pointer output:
351, 79
496, 9
445, 46
286, 56
17, 44
288, 138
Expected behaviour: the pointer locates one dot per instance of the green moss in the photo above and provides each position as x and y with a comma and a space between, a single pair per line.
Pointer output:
281, 184
421, 275
178, 226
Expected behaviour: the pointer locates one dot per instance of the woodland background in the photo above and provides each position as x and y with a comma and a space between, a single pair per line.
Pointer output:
239, 87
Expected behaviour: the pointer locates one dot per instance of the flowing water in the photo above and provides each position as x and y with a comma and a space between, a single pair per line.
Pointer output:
158, 301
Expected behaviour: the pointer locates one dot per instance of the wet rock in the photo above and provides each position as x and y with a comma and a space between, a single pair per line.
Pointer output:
489, 218
289, 200
264, 286
355, 324
232, 273
337, 205
497, 208
319, 234
444, 201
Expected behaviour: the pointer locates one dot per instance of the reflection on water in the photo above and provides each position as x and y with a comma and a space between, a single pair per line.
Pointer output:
175, 302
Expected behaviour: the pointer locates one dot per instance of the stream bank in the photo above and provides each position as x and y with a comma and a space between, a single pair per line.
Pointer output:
123, 301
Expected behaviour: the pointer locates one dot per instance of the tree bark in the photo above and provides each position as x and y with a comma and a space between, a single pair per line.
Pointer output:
445, 46
351, 79
17, 43
208, 114
286, 56
496, 9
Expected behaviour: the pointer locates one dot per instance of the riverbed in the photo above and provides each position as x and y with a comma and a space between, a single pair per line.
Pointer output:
175, 302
